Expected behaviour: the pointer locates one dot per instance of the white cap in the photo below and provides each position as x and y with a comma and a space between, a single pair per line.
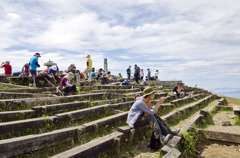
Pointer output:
54, 67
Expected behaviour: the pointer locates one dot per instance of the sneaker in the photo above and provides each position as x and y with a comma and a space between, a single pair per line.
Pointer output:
175, 132
30, 85
164, 140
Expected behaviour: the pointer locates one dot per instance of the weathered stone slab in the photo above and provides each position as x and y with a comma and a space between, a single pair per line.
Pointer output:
236, 109
80, 114
122, 105
16, 115
113, 87
159, 95
169, 116
174, 153
25, 144
57, 108
12, 85
110, 120
8, 128
15, 103
14, 95
94, 148
221, 136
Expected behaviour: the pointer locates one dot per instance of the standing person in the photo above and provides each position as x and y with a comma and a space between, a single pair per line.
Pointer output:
156, 75
71, 68
149, 74
136, 73
54, 72
66, 84
141, 75
142, 114
129, 72
7, 68
33, 68
89, 68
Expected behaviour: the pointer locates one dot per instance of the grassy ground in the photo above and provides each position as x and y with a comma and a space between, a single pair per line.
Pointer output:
233, 101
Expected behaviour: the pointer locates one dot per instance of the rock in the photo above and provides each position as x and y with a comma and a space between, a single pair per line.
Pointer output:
232, 117
226, 123
197, 152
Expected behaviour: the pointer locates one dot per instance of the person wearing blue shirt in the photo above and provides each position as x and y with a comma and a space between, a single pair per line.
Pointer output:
33, 67
93, 73
53, 71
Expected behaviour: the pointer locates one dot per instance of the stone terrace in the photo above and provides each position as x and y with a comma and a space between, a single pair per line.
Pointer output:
37, 123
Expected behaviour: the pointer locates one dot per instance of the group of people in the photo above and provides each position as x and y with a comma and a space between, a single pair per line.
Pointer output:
138, 74
141, 113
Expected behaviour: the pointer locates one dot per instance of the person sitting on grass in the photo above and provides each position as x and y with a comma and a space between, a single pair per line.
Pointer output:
142, 113
66, 86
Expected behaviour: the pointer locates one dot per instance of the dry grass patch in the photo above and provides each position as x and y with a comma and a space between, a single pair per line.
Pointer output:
233, 101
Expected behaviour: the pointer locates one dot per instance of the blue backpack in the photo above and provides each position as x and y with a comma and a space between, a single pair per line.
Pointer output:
125, 82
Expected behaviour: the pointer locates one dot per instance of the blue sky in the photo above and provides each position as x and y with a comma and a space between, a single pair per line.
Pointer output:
194, 41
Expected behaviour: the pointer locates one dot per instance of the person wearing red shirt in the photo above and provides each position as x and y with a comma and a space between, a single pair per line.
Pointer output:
7, 68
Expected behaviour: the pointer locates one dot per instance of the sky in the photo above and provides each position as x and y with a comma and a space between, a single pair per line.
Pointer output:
197, 41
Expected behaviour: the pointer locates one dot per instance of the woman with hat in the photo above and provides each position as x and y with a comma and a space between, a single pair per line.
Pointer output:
66, 86
142, 113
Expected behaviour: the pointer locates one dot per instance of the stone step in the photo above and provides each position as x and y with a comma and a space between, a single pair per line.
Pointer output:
30, 143
221, 136
180, 110
58, 108
16, 115
18, 127
113, 87
14, 95
58, 119
236, 109
94, 148
12, 104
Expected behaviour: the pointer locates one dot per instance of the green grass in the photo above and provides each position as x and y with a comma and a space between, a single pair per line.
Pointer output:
188, 143
237, 120
5, 87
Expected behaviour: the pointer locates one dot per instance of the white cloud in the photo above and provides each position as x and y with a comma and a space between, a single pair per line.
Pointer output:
183, 39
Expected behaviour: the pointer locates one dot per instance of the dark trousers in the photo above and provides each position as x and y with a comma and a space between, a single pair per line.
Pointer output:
70, 89
136, 75
157, 125
34, 75
129, 75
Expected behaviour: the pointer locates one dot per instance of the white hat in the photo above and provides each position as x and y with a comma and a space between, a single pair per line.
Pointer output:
69, 76
54, 68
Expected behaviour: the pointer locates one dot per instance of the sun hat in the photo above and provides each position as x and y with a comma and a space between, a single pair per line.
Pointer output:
69, 76
148, 91
37, 55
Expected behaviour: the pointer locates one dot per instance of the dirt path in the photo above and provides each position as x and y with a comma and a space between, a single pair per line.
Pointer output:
213, 149
219, 118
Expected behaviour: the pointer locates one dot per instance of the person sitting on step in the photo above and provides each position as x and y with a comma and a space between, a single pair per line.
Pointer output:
66, 86
179, 90
142, 113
